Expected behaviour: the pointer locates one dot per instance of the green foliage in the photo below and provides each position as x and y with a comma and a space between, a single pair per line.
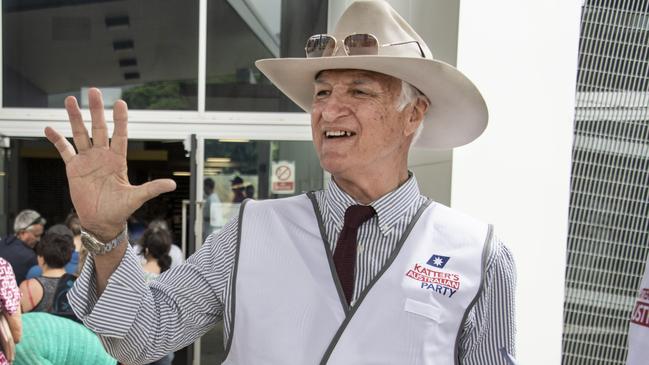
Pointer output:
161, 95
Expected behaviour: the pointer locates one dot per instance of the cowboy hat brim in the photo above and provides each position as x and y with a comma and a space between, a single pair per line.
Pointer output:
456, 116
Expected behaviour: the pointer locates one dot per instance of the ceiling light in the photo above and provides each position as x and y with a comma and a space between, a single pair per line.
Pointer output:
127, 62
123, 45
218, 159
233, 140
117, 22
211, 172
131, 75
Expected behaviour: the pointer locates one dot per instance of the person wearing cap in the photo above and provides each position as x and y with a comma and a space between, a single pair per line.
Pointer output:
238, 189
18, 249
367, 271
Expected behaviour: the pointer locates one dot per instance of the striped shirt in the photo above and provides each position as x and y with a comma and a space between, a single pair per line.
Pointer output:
140, 322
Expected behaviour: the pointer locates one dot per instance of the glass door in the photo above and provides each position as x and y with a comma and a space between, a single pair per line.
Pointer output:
4, 186
229, 171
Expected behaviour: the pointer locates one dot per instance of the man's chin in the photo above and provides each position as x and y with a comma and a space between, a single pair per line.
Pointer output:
334, 166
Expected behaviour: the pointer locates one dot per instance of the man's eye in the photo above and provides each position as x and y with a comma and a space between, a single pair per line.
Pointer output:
359, 92
321, 93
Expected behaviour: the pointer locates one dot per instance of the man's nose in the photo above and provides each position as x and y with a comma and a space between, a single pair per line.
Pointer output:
334, 108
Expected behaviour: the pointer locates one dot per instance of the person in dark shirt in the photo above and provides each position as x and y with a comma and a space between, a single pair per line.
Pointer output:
18, 248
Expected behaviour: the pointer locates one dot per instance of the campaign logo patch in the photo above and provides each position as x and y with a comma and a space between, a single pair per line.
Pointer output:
640, 315
444, 283
438, 261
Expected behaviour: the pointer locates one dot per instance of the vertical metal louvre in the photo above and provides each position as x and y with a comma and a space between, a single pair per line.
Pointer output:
608, 238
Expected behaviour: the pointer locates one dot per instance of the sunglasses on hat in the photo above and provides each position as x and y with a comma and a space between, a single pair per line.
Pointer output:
361, 44
37, 220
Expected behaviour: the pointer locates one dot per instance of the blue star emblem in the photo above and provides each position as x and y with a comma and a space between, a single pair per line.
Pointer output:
438, 261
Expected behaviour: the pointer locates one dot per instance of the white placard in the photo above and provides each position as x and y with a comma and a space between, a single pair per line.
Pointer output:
282, 177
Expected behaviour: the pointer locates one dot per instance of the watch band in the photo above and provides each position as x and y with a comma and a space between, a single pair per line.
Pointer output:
95, 246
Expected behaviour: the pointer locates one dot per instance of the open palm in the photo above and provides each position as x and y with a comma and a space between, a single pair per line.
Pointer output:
97, 174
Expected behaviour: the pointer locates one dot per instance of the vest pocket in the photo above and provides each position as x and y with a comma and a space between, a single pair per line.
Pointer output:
423, 309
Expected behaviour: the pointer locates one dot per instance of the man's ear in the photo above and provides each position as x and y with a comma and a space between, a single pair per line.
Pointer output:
416, 117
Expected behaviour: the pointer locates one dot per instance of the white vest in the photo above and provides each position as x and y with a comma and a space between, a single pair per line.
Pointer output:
289, 308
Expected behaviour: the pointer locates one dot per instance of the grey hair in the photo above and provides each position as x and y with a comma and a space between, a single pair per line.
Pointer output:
410, 94
26, 218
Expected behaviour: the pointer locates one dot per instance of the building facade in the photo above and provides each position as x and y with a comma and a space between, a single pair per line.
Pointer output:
187, 71
608, 237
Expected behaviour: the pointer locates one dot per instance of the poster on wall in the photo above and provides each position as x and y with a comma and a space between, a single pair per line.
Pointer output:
282, 180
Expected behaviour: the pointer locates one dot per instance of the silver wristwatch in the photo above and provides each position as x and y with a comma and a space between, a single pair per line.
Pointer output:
96, 246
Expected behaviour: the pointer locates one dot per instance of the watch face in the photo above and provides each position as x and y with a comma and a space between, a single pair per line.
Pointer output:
98, 247
91, 244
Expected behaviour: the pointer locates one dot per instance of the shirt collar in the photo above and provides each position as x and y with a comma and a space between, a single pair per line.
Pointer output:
390, 208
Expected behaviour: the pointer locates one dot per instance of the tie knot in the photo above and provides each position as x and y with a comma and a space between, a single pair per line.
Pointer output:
356, 215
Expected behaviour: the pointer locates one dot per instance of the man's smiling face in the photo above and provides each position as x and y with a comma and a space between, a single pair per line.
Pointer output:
355, 122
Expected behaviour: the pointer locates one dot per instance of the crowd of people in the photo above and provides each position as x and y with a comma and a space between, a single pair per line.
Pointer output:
38, 266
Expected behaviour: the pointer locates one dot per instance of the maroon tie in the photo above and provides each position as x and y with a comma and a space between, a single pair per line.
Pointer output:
345, 253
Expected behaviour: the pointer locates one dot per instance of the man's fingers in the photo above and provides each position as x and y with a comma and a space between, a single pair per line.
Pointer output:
99, 129
62, 145
79, 131
150, 190
119, 142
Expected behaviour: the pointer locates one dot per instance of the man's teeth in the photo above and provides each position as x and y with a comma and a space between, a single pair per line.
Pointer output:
338, 133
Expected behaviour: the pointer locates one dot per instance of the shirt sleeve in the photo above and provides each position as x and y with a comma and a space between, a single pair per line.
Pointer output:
138, 322
9, 292
490, 329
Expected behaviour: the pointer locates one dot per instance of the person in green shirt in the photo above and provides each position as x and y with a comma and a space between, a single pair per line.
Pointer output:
52, 340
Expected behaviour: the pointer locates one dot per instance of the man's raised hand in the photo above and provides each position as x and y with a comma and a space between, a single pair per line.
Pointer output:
97, 172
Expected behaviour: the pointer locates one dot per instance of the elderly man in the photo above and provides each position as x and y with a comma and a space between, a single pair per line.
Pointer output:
18, 249
366, 272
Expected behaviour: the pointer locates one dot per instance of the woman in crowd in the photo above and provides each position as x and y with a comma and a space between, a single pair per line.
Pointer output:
74, 265
177, 256
156, 242
51, 340
9, 304
41, 294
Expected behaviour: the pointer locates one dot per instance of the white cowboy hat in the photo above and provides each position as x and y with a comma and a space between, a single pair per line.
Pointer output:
457, 114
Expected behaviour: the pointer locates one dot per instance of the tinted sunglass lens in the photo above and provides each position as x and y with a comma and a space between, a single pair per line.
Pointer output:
320, 45
361, 44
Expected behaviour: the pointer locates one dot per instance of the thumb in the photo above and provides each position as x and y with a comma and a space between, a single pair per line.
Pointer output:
150, 190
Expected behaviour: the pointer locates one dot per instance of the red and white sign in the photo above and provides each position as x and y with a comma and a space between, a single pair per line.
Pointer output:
639, 325
282, 180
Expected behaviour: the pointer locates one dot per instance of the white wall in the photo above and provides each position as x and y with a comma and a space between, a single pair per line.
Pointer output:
522, 55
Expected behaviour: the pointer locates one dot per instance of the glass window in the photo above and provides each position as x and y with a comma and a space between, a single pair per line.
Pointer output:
239, 32
236, 170
144, 51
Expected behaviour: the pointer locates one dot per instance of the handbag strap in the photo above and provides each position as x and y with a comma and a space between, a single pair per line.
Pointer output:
6, 338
